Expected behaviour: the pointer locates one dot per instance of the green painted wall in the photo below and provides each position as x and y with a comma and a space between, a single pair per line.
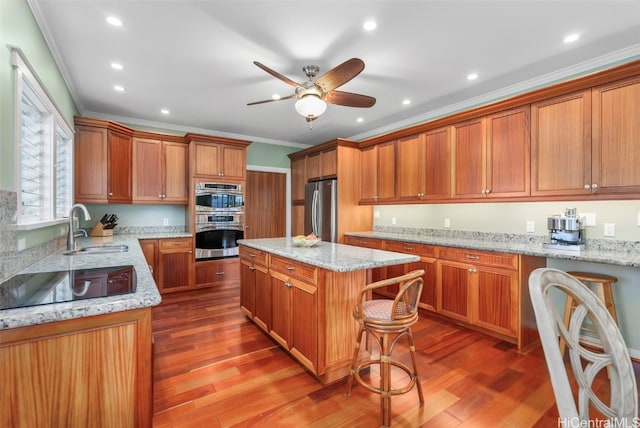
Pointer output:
270, 155
18, 28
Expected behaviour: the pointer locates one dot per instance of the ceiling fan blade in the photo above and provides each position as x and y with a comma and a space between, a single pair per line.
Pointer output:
349, 99
277, 75
340, 74
271, 100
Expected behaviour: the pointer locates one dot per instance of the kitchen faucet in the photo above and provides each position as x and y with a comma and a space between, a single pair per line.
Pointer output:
71, 234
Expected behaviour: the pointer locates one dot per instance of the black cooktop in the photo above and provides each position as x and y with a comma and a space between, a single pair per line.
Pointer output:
43, 288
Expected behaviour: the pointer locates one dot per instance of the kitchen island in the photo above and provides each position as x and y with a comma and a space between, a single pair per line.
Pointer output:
304, 297
85, 362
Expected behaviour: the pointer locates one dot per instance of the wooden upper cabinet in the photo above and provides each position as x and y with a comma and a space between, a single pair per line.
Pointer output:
469, 151
323, 164
492, 156
221, 159
561, 145
160, 171
508, 153
616, 137
298, 178
378, 178
424, 166
102, 163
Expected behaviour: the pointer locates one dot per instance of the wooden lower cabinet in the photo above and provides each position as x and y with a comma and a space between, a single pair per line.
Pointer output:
308, 310
211, 273
481, 289
93, 371
171, 262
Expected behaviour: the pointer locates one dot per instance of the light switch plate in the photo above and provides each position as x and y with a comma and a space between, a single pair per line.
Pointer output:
447, 222
531, 226
609, 229
589, 218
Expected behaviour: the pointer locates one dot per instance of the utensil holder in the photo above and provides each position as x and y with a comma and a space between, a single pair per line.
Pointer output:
99, 230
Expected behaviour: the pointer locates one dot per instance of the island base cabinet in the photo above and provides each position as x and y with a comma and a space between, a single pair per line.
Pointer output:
86, 372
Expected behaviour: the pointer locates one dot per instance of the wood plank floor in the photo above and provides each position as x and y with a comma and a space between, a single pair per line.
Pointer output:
214, 368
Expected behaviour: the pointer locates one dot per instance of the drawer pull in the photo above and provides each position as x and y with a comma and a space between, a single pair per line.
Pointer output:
469, 256
472, 270
407, 248
288, 284
221, 273
290, 267
252, 254
252, 268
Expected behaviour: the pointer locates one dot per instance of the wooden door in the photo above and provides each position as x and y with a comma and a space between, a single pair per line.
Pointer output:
297, 220
118, 167
175, 264
616, 137
369, 176
329, 163
437, 176
314, 166
265, 205
469, 148
150, 251
281, 306
175, 169
454, 284
262, 281
90, 164
561, 145
207, 159
508, 153
305, 324
248, 289
147, 170
411, 168
234, 162
386, 171
298, 179
495, 305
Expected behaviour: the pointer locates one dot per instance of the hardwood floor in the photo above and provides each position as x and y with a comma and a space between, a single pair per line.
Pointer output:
214, 368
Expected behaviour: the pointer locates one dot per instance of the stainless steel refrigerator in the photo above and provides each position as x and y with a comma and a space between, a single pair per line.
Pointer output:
321, 209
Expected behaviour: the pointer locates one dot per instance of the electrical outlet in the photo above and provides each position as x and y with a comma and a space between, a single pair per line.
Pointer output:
376, 214
589, 218
393, 220
638, 219
609, 229
21, 244
165, 222
447, 222
531, 226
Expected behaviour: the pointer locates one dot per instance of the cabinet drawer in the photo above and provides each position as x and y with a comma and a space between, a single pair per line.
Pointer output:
411, 248
256, 256
294, 269
487, 258
364, 242
175, 243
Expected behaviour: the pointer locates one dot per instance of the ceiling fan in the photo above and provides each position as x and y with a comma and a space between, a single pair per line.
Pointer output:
313, 96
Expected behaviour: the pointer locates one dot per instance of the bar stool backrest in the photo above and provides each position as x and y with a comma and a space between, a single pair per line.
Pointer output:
586, 363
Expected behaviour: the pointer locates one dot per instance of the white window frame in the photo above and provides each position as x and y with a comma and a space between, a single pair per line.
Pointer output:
26, 82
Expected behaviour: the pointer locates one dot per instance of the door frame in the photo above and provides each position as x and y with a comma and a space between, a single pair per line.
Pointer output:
287, 173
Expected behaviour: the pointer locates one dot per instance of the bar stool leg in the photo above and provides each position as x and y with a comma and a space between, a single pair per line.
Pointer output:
412, 348
606, 294
568, 306
354, 361
385, 381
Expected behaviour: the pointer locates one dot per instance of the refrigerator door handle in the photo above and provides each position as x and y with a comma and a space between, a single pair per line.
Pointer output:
314, 212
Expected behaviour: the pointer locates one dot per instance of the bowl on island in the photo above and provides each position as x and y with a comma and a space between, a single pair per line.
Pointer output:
305, 241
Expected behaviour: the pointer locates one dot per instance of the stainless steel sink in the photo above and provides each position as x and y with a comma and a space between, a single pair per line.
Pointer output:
100, 249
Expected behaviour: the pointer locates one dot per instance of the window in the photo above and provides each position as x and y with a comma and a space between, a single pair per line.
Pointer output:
43, 150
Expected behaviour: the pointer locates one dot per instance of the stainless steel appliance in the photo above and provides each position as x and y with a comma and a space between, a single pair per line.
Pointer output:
219, 219
321, 209
566, 232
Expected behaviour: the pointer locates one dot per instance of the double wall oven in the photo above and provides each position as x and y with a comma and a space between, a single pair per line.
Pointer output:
219, 219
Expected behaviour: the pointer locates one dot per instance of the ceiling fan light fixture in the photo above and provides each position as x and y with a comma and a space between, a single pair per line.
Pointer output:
311, 105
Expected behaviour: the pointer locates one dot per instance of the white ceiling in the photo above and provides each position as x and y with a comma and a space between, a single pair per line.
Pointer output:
195, 57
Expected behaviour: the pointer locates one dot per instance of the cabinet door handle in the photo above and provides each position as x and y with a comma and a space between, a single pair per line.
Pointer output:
587, 186
288, 284
221, 273
190, 252
110, 193
469, 256
252, 254
252, 268
594, 186
471, 270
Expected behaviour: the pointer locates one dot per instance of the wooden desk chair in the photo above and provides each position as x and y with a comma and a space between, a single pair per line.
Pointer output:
586, 363
386, 321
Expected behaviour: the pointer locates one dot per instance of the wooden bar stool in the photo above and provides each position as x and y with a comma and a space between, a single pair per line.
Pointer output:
603, 291
386, 321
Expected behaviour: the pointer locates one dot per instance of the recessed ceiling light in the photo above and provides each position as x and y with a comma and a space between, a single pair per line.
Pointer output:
571, 38
369, 25
118, 88
406, 102
359, 120
114, 21
165, 111
275, 96
116, 66
472, 76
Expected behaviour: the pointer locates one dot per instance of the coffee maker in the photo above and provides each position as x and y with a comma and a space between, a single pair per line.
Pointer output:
566, 232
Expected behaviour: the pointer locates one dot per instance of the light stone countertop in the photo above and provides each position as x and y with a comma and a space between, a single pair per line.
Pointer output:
620, 253
146, 293
327, 255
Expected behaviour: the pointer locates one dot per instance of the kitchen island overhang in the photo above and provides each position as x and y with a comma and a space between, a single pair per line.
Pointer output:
304, 297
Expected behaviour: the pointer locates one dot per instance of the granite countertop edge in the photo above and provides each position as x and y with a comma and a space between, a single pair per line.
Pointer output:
146, 294
330, 256
626, 253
